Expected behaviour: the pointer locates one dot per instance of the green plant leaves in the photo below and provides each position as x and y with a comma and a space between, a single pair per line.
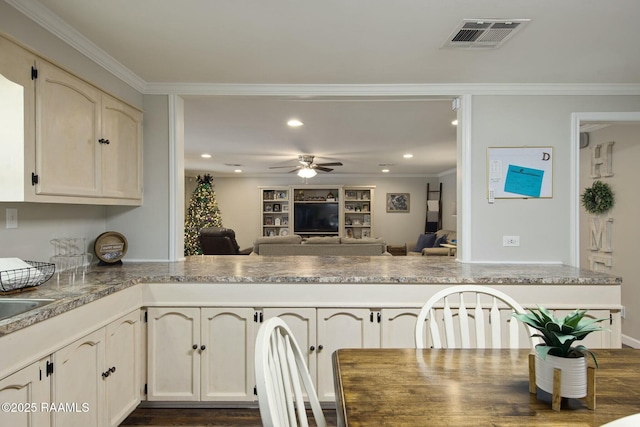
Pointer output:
560, 334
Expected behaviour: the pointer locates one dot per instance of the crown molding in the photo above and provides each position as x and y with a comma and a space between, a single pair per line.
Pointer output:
396, 90
52, 23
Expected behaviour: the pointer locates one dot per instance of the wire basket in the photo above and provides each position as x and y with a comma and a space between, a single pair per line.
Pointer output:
37, 274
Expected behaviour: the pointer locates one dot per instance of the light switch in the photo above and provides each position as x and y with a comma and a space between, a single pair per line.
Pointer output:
12, 218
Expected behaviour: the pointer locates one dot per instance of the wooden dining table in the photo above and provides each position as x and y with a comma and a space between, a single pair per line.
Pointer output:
478, 387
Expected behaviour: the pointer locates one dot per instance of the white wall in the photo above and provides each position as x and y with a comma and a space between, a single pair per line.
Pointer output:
626, 227
239, 203
544, 225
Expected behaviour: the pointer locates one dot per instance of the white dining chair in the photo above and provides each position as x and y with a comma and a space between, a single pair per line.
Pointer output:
282, 378
467, 311
628, 421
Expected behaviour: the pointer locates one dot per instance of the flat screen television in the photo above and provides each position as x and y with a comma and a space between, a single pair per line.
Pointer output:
315, 217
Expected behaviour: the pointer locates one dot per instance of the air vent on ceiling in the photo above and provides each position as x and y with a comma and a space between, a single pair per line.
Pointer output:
483, 33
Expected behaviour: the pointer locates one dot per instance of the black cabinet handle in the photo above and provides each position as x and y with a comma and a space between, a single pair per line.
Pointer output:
379, 317
104, 141
105, 374
312, 348
112, 369
202, 347
320, 347
371, 317
195, 346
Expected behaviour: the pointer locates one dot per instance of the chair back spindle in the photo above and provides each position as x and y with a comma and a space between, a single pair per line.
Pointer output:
449, 312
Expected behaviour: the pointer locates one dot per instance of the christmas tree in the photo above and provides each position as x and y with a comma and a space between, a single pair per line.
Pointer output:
203, 212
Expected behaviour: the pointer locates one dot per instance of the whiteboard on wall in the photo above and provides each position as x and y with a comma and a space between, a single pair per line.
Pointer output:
520, 172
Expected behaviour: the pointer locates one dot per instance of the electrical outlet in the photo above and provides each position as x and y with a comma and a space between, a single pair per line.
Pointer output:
510, 240
12, 217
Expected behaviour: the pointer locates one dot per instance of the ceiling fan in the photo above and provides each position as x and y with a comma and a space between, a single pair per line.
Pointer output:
306, 168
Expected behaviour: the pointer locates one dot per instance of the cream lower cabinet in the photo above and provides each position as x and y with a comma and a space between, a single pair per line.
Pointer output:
123, 362
78, 382
96, 377
342, 328
303, 324
319, 332
201, 354
22, 395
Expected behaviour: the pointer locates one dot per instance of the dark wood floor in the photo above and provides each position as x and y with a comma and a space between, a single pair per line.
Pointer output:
205, 417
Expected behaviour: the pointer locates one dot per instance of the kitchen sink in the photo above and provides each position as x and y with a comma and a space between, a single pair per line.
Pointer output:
10, 307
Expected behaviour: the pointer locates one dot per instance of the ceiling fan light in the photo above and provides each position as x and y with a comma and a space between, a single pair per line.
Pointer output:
307, 173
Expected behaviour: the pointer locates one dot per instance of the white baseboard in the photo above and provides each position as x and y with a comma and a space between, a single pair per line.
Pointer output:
631, 342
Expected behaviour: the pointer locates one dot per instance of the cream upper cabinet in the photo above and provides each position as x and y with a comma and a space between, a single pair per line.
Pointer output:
121, 149
89, 144
63, 140
68, 113
17, 122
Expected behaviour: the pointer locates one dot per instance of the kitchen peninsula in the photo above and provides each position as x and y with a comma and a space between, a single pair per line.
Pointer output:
192, 324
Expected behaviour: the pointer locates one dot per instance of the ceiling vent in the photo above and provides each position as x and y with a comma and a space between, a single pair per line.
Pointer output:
483, 33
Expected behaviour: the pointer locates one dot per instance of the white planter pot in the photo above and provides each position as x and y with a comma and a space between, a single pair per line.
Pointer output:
574, 375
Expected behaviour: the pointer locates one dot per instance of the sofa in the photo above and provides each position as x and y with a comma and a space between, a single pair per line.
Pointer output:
441, 236
319, 246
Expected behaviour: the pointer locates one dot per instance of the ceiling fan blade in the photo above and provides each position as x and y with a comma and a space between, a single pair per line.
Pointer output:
321, 168
283, 167
295, 170
330, 164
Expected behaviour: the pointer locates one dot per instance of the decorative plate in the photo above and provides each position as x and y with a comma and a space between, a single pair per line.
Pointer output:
284, 232
110, 247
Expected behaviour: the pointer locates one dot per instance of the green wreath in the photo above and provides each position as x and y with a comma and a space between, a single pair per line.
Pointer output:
597, 199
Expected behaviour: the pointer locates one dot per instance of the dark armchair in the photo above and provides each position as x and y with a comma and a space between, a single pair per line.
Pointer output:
220, 241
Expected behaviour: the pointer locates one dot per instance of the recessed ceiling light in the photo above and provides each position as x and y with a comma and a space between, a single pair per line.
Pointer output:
294, 123
238, 170
408, 156
385, 170
455, 122
205, 156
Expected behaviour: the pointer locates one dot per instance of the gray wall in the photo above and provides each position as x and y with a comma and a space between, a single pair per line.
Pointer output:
544, 225
626, 227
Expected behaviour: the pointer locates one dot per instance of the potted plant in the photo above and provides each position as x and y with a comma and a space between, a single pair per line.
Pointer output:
558, 349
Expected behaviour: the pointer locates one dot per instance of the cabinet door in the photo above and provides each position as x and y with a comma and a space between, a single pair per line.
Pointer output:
67, 132
397, 327
228, 335
28, 386
17, 122
342, 328
173, 368
122, 358
78, 381
302, 322
122, 155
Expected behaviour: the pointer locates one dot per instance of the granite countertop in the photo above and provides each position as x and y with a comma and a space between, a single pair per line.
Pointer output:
99, 282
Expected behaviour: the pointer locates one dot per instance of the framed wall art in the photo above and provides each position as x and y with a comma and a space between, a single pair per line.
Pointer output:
397, 202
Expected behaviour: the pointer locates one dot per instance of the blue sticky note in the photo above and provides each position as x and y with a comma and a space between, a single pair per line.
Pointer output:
525, 181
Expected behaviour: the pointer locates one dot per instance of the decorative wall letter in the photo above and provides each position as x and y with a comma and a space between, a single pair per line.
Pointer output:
602, 160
